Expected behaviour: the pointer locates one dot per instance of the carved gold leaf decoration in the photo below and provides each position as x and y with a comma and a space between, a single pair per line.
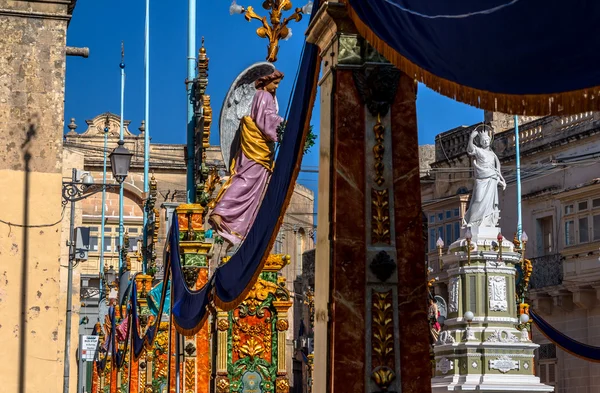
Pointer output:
383, 377
380, 225
383, 329
252, 348
190, 376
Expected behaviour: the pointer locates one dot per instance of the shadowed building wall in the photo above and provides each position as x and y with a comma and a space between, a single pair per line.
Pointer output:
32, 281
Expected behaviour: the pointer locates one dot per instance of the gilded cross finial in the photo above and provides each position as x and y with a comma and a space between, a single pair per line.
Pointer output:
274, 28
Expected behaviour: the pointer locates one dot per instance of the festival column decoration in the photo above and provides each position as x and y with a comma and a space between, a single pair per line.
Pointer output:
483, 346
251, 339
370, 313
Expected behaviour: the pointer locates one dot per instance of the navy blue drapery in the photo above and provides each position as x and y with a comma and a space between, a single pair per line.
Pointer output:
514, 56
574, 347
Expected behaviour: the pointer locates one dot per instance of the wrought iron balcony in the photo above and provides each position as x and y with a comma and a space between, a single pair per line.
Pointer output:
547, 271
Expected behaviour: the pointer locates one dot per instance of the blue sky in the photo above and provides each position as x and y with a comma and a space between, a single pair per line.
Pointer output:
93, 84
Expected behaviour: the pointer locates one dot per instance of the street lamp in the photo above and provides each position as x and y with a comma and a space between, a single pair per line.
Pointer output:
468, 237
468, 316
80, 187
440, 245
120, 160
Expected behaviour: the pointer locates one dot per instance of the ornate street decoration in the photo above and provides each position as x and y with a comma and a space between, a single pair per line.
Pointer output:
504, 364
383, 266
73, 192
251, 338
278, 27
453, 294
383, 377
382, 340
378, 151
445, 338
190, 375
444, 366
377, 87
497, 293
502, 336
380, 227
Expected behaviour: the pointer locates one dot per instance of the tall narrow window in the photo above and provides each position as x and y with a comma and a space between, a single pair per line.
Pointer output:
569, 233
596, 223
584, 236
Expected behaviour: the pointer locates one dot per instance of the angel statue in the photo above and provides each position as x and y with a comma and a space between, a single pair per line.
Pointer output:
249, 123
483, 210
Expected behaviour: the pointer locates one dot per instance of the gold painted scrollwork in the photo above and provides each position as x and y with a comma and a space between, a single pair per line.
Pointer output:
380, 227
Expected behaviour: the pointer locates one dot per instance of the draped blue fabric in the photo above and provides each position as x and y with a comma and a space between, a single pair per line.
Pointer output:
516, 47
189, 307
233, 278
574, 347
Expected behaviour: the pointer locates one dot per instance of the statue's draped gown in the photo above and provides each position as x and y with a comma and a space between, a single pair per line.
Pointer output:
483, 209
240, 197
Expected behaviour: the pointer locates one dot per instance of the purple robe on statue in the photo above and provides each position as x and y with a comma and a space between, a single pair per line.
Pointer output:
240, 198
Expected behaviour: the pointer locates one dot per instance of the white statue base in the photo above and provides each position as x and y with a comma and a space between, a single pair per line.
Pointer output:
487, 353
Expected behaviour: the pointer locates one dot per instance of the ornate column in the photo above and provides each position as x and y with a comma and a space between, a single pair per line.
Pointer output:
195, 368
370, 275
251, 353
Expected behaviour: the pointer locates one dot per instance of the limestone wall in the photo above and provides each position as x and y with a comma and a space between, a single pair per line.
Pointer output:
32, 60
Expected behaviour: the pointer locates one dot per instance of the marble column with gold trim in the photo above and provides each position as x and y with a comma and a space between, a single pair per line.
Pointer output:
370, 290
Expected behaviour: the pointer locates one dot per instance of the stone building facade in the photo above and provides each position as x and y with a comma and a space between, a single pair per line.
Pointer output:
560, 214
32, 281
84, 150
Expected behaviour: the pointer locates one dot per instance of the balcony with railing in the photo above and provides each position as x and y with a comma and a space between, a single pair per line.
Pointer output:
547, 271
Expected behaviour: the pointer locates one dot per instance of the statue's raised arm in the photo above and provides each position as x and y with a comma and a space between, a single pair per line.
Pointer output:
249, 152
483, 209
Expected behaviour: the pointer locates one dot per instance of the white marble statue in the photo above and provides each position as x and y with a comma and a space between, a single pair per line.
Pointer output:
483, 210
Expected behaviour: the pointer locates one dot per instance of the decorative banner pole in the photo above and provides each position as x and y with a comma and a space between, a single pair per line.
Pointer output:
106, 129
518, 159
146, 128
191, 75
121, 137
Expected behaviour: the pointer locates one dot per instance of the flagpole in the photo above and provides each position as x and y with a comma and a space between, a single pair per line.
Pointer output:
146, 131
191, 75
518, 161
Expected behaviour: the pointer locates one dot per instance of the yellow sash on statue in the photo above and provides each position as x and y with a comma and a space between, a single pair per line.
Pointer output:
254, 144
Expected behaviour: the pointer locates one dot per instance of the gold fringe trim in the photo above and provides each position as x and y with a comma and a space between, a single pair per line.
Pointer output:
194, 330
228, 306
567, 103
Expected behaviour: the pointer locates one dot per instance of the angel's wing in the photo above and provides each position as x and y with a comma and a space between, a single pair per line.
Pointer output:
441, 303
237, 105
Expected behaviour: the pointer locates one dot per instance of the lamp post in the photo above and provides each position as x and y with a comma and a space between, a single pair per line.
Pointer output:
468, 316
80, 187
500, 238
440, 245
468, 237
